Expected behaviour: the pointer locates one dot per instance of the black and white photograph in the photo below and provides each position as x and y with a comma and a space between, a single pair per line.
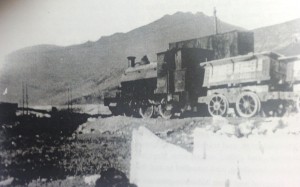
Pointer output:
150, 93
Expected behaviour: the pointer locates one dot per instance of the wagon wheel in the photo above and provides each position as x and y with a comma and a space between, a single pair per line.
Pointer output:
146, 111
268, 109
247, 104
259, 103
275, 108
218, 105
164, 111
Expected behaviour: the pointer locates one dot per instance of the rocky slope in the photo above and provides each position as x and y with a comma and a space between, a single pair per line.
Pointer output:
282, 37
93, 67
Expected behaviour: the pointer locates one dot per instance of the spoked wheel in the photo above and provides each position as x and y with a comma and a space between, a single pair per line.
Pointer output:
275, 108
268, 109
248, 104
164, 111
218, 105
146, 111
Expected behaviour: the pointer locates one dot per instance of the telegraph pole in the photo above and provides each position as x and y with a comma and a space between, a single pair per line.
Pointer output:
68, 99
23, 98
26, 90
71, 98
216, 20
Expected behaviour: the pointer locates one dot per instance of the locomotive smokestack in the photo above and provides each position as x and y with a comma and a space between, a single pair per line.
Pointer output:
131, 61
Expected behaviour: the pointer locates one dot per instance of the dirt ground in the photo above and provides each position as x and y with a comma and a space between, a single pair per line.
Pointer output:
101, 143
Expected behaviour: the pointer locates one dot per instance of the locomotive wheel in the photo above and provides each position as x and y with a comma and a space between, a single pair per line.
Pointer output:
146, 111
127, 113
248, 104
218, 105
164, 111
127, 109
114, 111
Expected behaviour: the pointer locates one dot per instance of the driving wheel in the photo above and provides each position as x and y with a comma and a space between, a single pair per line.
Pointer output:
146, 111
165, 109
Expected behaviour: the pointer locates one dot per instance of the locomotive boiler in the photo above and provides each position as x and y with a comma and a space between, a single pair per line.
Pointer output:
217, 71
136, 90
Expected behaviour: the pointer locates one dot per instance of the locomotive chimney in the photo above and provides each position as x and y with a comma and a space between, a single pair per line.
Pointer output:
131, 61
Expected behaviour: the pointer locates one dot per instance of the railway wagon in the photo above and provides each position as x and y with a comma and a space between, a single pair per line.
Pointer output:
293, 76
251, 84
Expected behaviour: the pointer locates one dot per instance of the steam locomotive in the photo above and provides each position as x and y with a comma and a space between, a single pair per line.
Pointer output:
209, 75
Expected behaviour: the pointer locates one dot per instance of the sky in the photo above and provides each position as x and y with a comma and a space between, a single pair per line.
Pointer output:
65, 22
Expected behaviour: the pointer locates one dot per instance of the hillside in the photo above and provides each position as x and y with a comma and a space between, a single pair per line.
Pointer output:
92, 67
280, 37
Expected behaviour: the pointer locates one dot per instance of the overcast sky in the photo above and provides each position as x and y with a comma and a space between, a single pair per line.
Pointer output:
65, 22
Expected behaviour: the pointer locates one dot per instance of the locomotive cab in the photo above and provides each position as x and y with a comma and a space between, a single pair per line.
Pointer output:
180, 78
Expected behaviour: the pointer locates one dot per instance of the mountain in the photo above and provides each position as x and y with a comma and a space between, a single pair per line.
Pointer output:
90, 68
290, 50
93, 67
283, 38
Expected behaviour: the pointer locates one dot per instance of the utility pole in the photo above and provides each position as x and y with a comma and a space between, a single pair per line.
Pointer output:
71, 98
26, 99
23, 98
216, 20
68, 99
